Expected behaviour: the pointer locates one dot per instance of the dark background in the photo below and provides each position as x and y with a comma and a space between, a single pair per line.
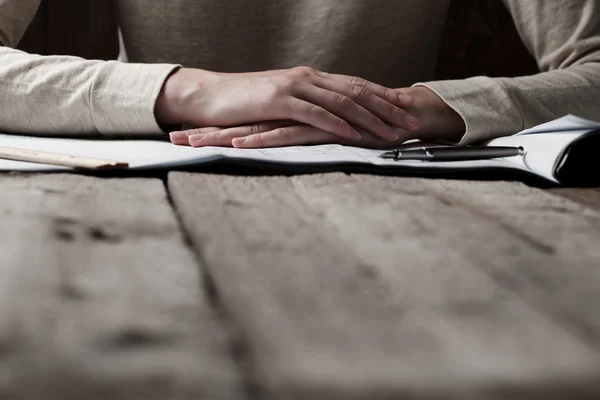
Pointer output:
480, 37
85, 28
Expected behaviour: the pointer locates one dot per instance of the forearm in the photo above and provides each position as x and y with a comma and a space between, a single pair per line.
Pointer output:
565, 40
503, 106
69, 95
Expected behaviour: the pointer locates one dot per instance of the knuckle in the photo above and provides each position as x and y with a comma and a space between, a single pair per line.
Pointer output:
344, 102
257, 128
200, 131
360, 92
356, 81
191, 132
387, 93
285, 133
304, 71
317, 112
252, 129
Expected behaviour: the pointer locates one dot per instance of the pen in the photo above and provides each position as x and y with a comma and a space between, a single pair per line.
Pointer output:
453, 153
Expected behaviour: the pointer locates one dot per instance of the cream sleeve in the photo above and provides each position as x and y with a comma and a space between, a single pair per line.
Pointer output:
564, 38
70, 95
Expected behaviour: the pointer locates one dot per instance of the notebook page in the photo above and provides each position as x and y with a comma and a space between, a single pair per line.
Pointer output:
567, 123
542, 150
143, 154
338, 154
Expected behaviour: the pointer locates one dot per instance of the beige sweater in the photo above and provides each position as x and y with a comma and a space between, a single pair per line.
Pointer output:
392, 42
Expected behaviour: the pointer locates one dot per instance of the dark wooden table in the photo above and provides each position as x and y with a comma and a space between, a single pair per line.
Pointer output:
332, 286
328, 286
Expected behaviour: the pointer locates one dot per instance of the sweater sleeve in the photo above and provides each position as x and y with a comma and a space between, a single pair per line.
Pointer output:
70, 95
564, 38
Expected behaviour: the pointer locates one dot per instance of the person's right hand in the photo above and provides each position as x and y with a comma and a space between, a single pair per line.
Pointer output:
325, 101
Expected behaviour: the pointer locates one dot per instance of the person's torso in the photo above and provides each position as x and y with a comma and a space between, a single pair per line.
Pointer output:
392, 42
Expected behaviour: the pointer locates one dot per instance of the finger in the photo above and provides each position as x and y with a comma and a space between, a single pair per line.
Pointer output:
311, 114
296, 135
381, 108
394, 96
223, 137
180, 138
348, 109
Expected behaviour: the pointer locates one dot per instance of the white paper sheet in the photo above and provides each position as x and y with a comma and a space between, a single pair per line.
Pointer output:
542, 151
143, 154
566, 123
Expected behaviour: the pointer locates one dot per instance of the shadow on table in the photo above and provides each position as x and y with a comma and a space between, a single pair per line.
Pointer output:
266, 169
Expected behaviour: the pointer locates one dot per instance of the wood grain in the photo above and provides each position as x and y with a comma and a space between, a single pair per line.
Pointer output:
100, 297
587, 196
554, 257
351, 289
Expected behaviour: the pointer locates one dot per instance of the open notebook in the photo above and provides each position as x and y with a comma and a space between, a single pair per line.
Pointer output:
561, 151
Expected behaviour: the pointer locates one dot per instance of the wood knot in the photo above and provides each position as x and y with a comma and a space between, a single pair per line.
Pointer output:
136, 337
64, 228
69, 230
99, 234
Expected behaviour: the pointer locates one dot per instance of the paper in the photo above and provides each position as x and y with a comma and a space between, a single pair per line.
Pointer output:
567, 123
542, 152
139, 153
142, 154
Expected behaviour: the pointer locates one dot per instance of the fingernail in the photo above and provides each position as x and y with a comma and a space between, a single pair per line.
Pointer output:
240, 141
412, 122
178, 135
405, 98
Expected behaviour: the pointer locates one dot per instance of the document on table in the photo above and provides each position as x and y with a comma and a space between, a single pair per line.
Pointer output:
144, 154
544, 146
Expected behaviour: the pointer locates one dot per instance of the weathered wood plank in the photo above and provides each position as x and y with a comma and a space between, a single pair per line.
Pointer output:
347, 290
561, 276
101, 298
589, 196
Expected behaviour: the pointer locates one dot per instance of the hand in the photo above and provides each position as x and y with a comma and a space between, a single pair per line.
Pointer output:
440, 122
276, 134
328, 102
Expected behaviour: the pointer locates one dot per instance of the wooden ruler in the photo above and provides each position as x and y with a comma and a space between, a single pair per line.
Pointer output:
64, 160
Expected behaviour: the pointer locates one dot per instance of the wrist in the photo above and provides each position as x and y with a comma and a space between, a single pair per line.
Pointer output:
173, 102
438, 120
